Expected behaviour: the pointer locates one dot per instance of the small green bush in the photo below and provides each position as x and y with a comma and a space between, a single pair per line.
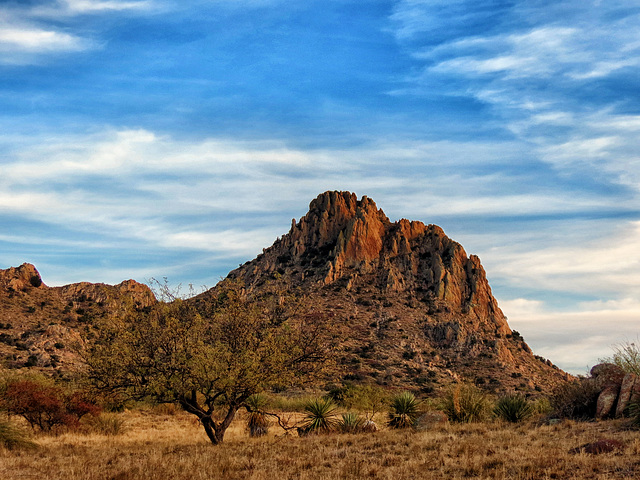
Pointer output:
351, 423
513, 408
466, 404
404, 410
320, 416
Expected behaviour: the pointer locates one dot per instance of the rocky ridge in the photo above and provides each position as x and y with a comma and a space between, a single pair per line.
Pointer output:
415, 309
39, 324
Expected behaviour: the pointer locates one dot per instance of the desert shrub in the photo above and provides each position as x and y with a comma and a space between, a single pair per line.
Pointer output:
542, 406
363, 398
576, 400
320, 416
513, 408
110, 424
404, 410
286, 403
12, 437
45, 405
257, 422
351, 423
466, 403
627, 356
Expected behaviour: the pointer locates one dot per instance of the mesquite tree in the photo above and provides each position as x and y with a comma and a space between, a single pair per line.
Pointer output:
209, 356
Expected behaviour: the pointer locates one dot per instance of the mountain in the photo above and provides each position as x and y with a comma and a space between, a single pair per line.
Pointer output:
39, 324
414, 309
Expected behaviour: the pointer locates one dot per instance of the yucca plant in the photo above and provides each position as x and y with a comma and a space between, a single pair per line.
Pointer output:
634, 414
11, 437
513, 408
466, 404
257, 423
320, 416
404, 410
351, 423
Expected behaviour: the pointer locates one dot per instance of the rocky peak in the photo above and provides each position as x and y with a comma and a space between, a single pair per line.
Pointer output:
408, 298
20, 279
342, 238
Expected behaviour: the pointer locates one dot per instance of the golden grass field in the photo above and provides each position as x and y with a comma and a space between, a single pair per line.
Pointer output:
160, 446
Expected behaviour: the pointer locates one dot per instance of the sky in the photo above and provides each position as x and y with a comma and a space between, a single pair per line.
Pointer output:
178, 138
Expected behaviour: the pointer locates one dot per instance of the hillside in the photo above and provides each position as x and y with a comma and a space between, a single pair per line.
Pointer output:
39, 324
414, 309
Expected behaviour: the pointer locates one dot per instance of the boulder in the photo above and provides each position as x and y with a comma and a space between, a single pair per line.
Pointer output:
626, 389
607, 400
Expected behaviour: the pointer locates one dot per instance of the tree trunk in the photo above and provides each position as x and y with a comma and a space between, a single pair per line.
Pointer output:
215, 431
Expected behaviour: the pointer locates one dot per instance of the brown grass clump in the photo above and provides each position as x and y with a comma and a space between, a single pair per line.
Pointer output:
160, 447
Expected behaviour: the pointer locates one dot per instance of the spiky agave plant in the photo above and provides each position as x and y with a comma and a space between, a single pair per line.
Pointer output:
513, 408
257, 422
320, 416
351, 423
404, 410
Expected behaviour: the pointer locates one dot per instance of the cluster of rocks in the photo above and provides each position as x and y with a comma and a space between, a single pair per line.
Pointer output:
617, 389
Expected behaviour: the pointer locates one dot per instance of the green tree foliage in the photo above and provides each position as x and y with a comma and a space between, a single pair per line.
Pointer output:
209, 356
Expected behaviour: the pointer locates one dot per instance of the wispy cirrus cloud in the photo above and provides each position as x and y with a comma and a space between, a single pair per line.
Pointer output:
538, 66
24, 45
575, 339
28, 34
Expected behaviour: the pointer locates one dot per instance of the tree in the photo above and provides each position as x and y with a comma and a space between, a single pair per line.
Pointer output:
209, 356
43, 404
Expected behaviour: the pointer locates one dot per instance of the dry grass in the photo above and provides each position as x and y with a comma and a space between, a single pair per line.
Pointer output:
161, 446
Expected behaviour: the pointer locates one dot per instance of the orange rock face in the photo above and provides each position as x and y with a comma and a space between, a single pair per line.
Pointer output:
408, 297
342, 236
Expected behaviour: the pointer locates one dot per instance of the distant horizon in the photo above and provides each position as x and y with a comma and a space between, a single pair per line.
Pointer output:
157, 138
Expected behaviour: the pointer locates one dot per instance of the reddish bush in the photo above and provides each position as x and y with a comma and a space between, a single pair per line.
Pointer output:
44, 405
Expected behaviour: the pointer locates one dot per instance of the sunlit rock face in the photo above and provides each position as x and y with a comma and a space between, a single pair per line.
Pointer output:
347, 255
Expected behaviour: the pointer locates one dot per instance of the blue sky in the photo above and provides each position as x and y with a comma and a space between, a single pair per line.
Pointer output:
153, 138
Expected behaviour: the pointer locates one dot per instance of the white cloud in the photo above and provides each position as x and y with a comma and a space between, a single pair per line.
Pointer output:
92, 6
27, 35
36, 40
605, 266
575, 340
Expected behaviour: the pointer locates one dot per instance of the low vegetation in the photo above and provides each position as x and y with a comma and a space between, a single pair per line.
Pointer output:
513, 408
466, 404
404, 410
161, 446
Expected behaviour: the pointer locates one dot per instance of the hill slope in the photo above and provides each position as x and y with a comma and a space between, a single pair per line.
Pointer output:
38, 323
414, 309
